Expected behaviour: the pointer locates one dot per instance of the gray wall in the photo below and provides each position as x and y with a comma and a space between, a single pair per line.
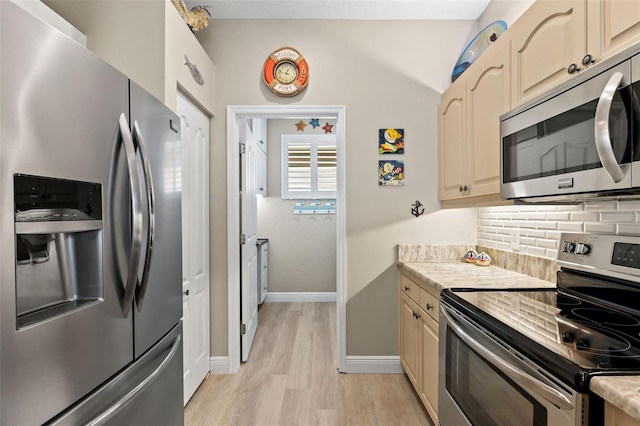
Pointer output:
302, 248
388, 74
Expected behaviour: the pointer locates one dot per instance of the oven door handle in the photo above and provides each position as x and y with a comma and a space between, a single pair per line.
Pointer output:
514, 373
601, 128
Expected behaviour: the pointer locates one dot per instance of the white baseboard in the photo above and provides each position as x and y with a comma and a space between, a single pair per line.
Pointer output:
219, 365
374, 364
309, 296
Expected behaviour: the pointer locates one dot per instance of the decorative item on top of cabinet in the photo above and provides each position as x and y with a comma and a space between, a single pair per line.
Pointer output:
469, 128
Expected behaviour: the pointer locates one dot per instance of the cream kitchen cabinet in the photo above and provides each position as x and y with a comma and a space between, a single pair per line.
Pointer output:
613, 416
469, 127
548, 43
612, 25
419, 341
149, 42
554, 40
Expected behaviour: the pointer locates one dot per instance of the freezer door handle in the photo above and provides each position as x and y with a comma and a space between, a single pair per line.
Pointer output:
110, 412
142, 287
136, 215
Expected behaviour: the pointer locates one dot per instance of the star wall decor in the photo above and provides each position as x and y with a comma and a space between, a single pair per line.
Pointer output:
301, 125
315, 122
327, 128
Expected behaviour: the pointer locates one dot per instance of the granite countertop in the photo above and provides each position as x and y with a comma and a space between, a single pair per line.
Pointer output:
440, 275
621, 391
440, 267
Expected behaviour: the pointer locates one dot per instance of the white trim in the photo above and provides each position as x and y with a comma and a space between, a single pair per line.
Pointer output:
219, 365
374, 364
298, 296
234, 113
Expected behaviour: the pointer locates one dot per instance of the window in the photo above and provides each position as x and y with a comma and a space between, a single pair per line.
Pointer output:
309, 166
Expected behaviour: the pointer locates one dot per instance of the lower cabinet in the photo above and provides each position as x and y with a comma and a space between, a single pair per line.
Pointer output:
613, 416
419, 342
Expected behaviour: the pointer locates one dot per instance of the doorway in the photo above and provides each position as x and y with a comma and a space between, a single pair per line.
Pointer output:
234, 116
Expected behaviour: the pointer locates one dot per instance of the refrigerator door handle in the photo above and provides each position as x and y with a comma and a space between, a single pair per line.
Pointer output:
142, 287
136, 214
110, 412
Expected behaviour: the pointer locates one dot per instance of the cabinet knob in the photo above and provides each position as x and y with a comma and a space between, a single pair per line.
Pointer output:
186, 292
261, 189
466, 188
406, 288
573, 68
429, 306
588, 59
460, 189
416, 315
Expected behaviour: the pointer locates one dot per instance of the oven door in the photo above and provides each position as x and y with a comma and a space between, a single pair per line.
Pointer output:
484, 383
578, 141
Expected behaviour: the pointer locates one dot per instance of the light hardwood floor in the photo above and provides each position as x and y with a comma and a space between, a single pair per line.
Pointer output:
291, 379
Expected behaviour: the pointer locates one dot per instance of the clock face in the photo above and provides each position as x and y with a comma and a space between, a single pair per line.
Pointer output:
286, 72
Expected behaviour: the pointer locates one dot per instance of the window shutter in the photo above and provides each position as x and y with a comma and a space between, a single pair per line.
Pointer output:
309, 166
299, 168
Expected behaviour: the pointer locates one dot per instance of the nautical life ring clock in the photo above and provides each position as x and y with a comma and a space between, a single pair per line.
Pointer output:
286, 72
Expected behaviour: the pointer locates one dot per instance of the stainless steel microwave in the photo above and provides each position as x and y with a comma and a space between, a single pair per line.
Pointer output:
578, 141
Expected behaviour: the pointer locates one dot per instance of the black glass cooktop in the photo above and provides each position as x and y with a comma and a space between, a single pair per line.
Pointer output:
573, 335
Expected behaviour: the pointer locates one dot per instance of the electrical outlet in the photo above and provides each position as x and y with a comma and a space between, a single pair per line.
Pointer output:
515, 240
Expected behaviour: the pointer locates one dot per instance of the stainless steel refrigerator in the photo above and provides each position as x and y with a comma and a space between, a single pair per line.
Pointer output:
90, 262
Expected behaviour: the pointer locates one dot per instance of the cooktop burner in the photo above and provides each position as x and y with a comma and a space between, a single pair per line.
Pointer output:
553, 326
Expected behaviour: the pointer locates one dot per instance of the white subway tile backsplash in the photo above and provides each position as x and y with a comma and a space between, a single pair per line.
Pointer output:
629, 205
600, 227
540, 227
546, 225
618, 217
624, 229
537, 233
558, 216
584, 217
600, 206
570, 226
547, 243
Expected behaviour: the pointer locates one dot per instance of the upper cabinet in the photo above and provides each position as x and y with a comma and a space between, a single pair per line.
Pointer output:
149, 42
469, 127
612, 25
548, 44
552, 41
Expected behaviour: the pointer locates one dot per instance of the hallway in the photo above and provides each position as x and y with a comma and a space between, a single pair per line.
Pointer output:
291, 379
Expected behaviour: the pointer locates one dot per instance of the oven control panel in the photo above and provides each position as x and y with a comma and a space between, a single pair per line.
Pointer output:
606, 254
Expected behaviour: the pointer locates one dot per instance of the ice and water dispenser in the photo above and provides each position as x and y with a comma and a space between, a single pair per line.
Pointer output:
58, 240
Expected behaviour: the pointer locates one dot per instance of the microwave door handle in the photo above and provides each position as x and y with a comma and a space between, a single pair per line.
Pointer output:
146, 168
136, 213
517, 375
601, 128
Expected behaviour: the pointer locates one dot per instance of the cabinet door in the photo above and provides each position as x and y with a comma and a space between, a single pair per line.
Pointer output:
409, 338
613, 25
488, 96
547, 39
429, 376
451, 142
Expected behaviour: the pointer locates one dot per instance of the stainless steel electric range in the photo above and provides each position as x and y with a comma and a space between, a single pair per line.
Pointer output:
526, 357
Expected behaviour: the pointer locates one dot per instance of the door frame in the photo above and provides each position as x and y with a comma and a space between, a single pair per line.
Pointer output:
234, 113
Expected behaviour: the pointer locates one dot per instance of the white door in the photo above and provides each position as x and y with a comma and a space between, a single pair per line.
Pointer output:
248, 229
195, 244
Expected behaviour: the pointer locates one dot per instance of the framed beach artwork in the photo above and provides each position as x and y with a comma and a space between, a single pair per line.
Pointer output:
390, 141
390, 172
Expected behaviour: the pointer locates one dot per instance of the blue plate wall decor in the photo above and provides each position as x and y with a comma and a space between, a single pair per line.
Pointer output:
479, 44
